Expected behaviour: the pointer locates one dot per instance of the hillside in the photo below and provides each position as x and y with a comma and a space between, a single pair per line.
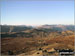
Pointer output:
35, 41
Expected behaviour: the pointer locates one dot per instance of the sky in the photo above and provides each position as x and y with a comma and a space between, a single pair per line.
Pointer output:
37, 12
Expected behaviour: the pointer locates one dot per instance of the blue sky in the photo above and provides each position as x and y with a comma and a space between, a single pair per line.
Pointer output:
37, 12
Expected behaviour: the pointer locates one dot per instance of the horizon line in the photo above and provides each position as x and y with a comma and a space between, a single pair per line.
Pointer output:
35, 24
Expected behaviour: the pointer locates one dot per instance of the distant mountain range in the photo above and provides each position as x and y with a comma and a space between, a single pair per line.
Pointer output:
10, 28
58, 27
19, 28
